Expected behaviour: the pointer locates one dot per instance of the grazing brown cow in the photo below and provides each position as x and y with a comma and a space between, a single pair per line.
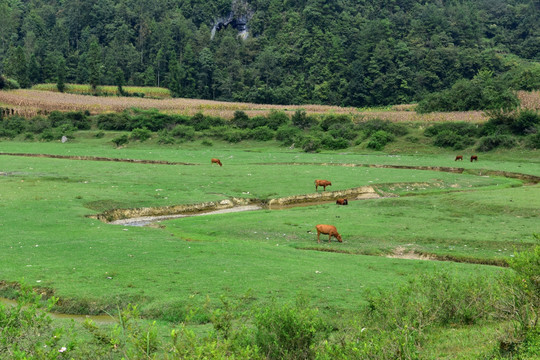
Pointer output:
459, 157
216, 161
474, 158
342, 202
330, 230
323, 183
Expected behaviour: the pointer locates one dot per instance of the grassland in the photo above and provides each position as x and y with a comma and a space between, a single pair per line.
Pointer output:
258, 257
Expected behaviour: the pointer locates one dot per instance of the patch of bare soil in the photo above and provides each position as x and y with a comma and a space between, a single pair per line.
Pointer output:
402, 253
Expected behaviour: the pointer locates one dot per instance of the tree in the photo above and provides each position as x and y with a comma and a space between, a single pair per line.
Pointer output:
94, 64
61, 75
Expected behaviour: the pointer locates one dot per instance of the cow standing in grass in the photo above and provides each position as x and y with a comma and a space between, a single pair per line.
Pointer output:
323, 183
342, 202
216, 161
329, 230
459, 157
474, 158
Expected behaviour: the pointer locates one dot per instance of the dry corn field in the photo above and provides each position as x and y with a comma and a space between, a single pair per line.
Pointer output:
29, 103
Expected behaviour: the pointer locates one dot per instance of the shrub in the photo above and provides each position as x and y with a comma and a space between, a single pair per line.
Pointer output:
38, 123
240, 120
236, 135
183, 132
201, 122
533, 141
99, 135
13, 124
379, 140
262, 133
287, 134
459, 128
370, 127
12, 84
331, 143
113, 121
120, 140
481, 93
165, 138
140, 134
276, 119
302, 121
488, 143
311, 143
335, 122
526, 122
289, 332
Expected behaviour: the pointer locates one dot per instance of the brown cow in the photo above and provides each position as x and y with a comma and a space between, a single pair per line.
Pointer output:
216, 161
323, 183
474, 158
330, 230
459, 157
342, 202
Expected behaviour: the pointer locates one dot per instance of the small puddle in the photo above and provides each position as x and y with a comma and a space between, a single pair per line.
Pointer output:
98, 319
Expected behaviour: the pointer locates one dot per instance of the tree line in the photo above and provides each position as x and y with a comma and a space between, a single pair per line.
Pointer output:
346, 52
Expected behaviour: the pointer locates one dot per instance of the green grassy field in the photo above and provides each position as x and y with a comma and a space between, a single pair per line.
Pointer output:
259, 256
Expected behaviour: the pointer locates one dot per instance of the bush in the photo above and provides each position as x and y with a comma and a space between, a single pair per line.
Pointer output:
262, 133
533, 141
165, 138
14, 125
114, 121
372, 126
526, 122
481, 93
236, 135
289, 332
141, 134
12, 84
120, 140
331, 143
489, 143
379, 140
459, 128
311, 143
276, 119
240, 120
302, 121
183, 132
38, 124
521, 122
335, 122
201, 122
287, 134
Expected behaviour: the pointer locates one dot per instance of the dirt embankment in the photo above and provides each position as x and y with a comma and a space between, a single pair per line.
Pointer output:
116, 216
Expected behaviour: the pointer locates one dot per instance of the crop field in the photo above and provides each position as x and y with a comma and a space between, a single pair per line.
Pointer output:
418, 219
108, 90
33, 102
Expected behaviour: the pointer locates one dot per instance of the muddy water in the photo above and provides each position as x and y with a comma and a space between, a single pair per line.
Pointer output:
98, 319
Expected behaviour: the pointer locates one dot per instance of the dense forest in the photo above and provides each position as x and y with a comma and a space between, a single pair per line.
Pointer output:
340, 52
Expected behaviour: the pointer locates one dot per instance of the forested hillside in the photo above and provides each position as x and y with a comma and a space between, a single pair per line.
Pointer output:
341, 52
